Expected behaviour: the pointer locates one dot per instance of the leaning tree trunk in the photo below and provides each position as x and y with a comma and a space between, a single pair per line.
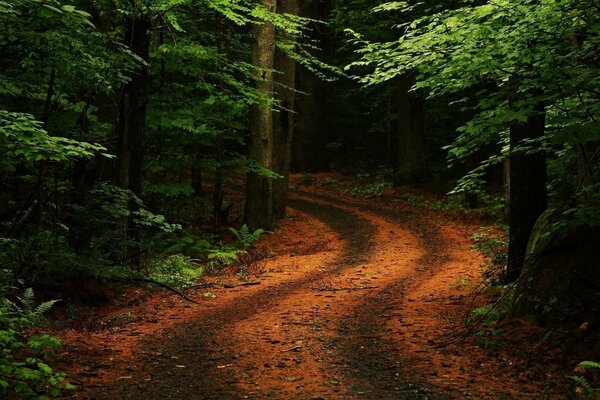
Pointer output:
527, 190
284, 119
411, 139
131, 125
259, 189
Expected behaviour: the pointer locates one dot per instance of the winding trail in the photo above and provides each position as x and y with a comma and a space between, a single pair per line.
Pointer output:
351, 306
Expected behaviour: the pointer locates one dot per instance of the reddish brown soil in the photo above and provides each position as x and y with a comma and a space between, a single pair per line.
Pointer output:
359, 300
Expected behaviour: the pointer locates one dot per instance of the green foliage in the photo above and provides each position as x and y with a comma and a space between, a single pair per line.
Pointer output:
586, 388
486, 318
23, 137
590, 364
95, 242
22, 375
176, 270
492, 243
475, 56
487, 315
223, 256
32, 314
245, 238
192, 246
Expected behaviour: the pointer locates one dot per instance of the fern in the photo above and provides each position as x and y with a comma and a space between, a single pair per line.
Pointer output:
32, 314
27, 377
177, 270
224, 256
590, 364
245, 238
585, 387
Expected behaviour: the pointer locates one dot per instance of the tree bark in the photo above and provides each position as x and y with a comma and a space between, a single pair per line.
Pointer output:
284, 119
259, 189
412, 155
527, 191
131, 124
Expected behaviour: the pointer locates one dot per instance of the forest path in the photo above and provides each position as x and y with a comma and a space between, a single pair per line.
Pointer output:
351, 306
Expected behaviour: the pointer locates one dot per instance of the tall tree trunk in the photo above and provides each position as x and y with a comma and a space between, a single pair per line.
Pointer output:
220, 150
131, 125
311, 131
259, 189
411, 139
196, 174
506, 187
42, 165
388, 151
527, 192
284, 120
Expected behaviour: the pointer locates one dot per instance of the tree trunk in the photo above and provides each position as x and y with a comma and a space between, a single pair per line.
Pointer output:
312, 109
218, 187
196, 176
527, 192
259, 189
506, 187
284, 118
131, 125
411, 139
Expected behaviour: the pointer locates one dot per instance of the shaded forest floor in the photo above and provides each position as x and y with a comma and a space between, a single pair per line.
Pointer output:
357, 299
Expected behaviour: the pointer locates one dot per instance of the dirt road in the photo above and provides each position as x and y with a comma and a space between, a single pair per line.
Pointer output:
353, 304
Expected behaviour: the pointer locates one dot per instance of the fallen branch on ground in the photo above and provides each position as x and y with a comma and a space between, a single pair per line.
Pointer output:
291, 349
321, 289
170, 288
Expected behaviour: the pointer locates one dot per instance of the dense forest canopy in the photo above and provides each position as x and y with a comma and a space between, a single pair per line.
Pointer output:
152, 141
